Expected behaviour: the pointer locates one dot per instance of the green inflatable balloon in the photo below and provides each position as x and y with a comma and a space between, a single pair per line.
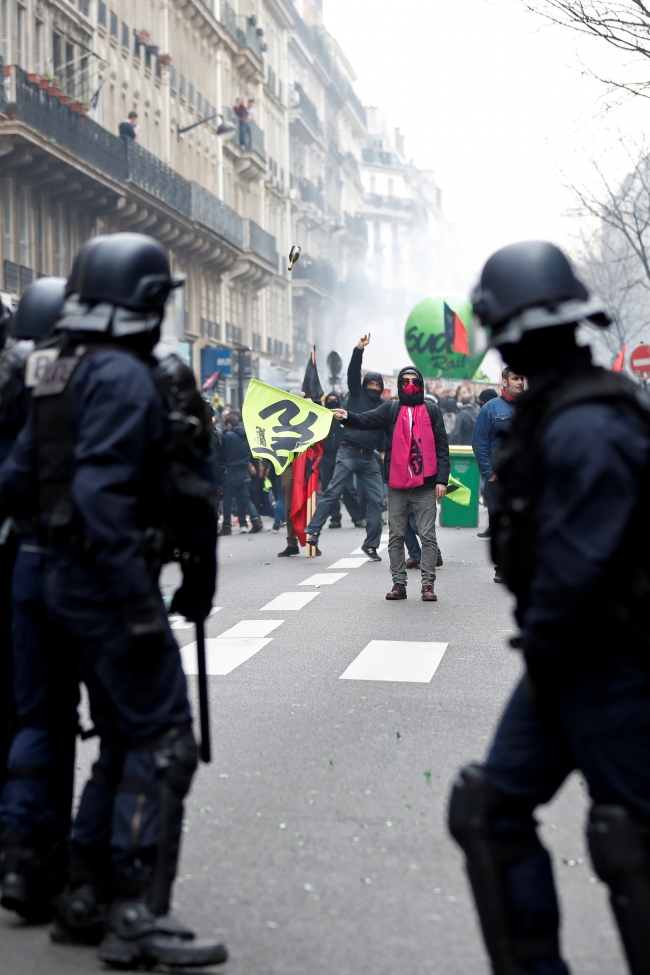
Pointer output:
431, 349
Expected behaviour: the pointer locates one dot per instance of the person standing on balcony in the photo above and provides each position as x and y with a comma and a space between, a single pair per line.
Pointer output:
250, 117
241, 112
129, 127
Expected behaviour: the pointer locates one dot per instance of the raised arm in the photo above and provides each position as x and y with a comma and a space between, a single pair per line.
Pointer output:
354, 369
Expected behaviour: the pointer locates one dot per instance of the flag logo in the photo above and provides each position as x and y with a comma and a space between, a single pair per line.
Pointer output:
456, 339
279, 426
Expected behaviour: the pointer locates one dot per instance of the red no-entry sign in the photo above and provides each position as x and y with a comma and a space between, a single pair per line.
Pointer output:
640, 362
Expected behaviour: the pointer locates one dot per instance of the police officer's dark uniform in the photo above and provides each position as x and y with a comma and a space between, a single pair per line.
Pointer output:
35, 802
569, 532
118, 447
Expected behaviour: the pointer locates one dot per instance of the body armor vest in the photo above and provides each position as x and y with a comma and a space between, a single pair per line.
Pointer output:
624, 588
172, 473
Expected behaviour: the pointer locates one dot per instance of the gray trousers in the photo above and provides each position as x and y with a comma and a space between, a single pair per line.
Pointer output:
423, 500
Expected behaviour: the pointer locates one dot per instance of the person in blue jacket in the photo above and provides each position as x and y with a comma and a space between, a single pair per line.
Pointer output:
116, 459
570, 532
492, 424
239, 467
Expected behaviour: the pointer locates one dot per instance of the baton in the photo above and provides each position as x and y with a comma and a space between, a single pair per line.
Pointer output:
204, 713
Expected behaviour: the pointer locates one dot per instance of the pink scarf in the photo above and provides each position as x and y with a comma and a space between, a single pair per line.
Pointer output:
414, 448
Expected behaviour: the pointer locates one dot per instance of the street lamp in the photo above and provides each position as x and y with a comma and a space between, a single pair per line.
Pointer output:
227, 129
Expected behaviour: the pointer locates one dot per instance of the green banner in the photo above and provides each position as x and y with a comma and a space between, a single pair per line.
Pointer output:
458, 493
279, 426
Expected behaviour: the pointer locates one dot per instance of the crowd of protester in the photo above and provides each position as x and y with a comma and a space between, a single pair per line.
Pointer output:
354, 470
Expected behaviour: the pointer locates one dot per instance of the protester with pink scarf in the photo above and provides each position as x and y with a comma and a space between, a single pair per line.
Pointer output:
417, 470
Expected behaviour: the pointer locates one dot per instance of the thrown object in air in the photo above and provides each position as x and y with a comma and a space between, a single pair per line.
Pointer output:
294, 254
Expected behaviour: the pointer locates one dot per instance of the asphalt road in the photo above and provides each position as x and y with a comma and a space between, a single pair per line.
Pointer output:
315, 842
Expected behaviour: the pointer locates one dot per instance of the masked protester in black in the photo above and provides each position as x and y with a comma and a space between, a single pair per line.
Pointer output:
117, 454
356, 456
331, 446
570, 532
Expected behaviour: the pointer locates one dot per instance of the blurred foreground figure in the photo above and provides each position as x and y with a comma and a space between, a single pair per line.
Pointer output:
117, 454
570, 534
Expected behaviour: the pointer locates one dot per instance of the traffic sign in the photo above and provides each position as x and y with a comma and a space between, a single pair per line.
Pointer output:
640, 362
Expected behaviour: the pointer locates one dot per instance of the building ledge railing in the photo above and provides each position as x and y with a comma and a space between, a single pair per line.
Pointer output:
262, 243
127, 162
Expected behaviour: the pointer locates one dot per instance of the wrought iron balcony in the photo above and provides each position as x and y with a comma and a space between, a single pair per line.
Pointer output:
310, 193
319, 273
157, 179
242, 29
307, 107
262, 243
217, 216
80, 135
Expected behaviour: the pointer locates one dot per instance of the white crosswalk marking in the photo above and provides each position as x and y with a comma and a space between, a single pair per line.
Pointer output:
396, 660
251, 628
222, 656
290, 600
323, 579
177, 622
349, 563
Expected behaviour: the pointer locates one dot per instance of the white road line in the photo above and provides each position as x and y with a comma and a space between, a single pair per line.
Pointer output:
177, 622
222, 656
290, 600
251, 628
396, 660
349, 563
359, 551
323, 579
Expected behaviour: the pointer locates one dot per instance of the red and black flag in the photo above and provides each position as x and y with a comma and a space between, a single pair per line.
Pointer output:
311, 386
456, 339
306, 468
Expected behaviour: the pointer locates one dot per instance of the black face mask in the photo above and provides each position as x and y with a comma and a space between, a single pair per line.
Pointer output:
374, 395
332, 403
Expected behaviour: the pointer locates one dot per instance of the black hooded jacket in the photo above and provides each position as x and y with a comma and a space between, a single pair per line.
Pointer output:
360, 400
385, 418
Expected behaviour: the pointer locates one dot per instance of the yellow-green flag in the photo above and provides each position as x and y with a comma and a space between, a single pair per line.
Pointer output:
458, 493
279, 425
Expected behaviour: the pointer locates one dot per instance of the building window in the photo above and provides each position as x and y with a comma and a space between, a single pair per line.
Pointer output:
199, 102
39, 50
102, 13
125, 34
172, 77
57, 53
191, 98
69, 70
8, 218
6, 31
377, 237
83, 68
182, 88
58, 241
40, 236
23, 227
84, 6
21, 16
136, 46
114, 24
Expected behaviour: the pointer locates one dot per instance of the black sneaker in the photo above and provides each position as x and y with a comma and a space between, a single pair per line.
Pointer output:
225, 530
334, 524
288, 551
257, 526
497, 574
486, 534
371, 553
312, 539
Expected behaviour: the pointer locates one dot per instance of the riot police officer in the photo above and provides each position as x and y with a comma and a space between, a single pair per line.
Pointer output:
118, 452
35, 802
570, 532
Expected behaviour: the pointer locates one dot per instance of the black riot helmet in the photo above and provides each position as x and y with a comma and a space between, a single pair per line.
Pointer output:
38, 309
72, 287
128, 270
530, 286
